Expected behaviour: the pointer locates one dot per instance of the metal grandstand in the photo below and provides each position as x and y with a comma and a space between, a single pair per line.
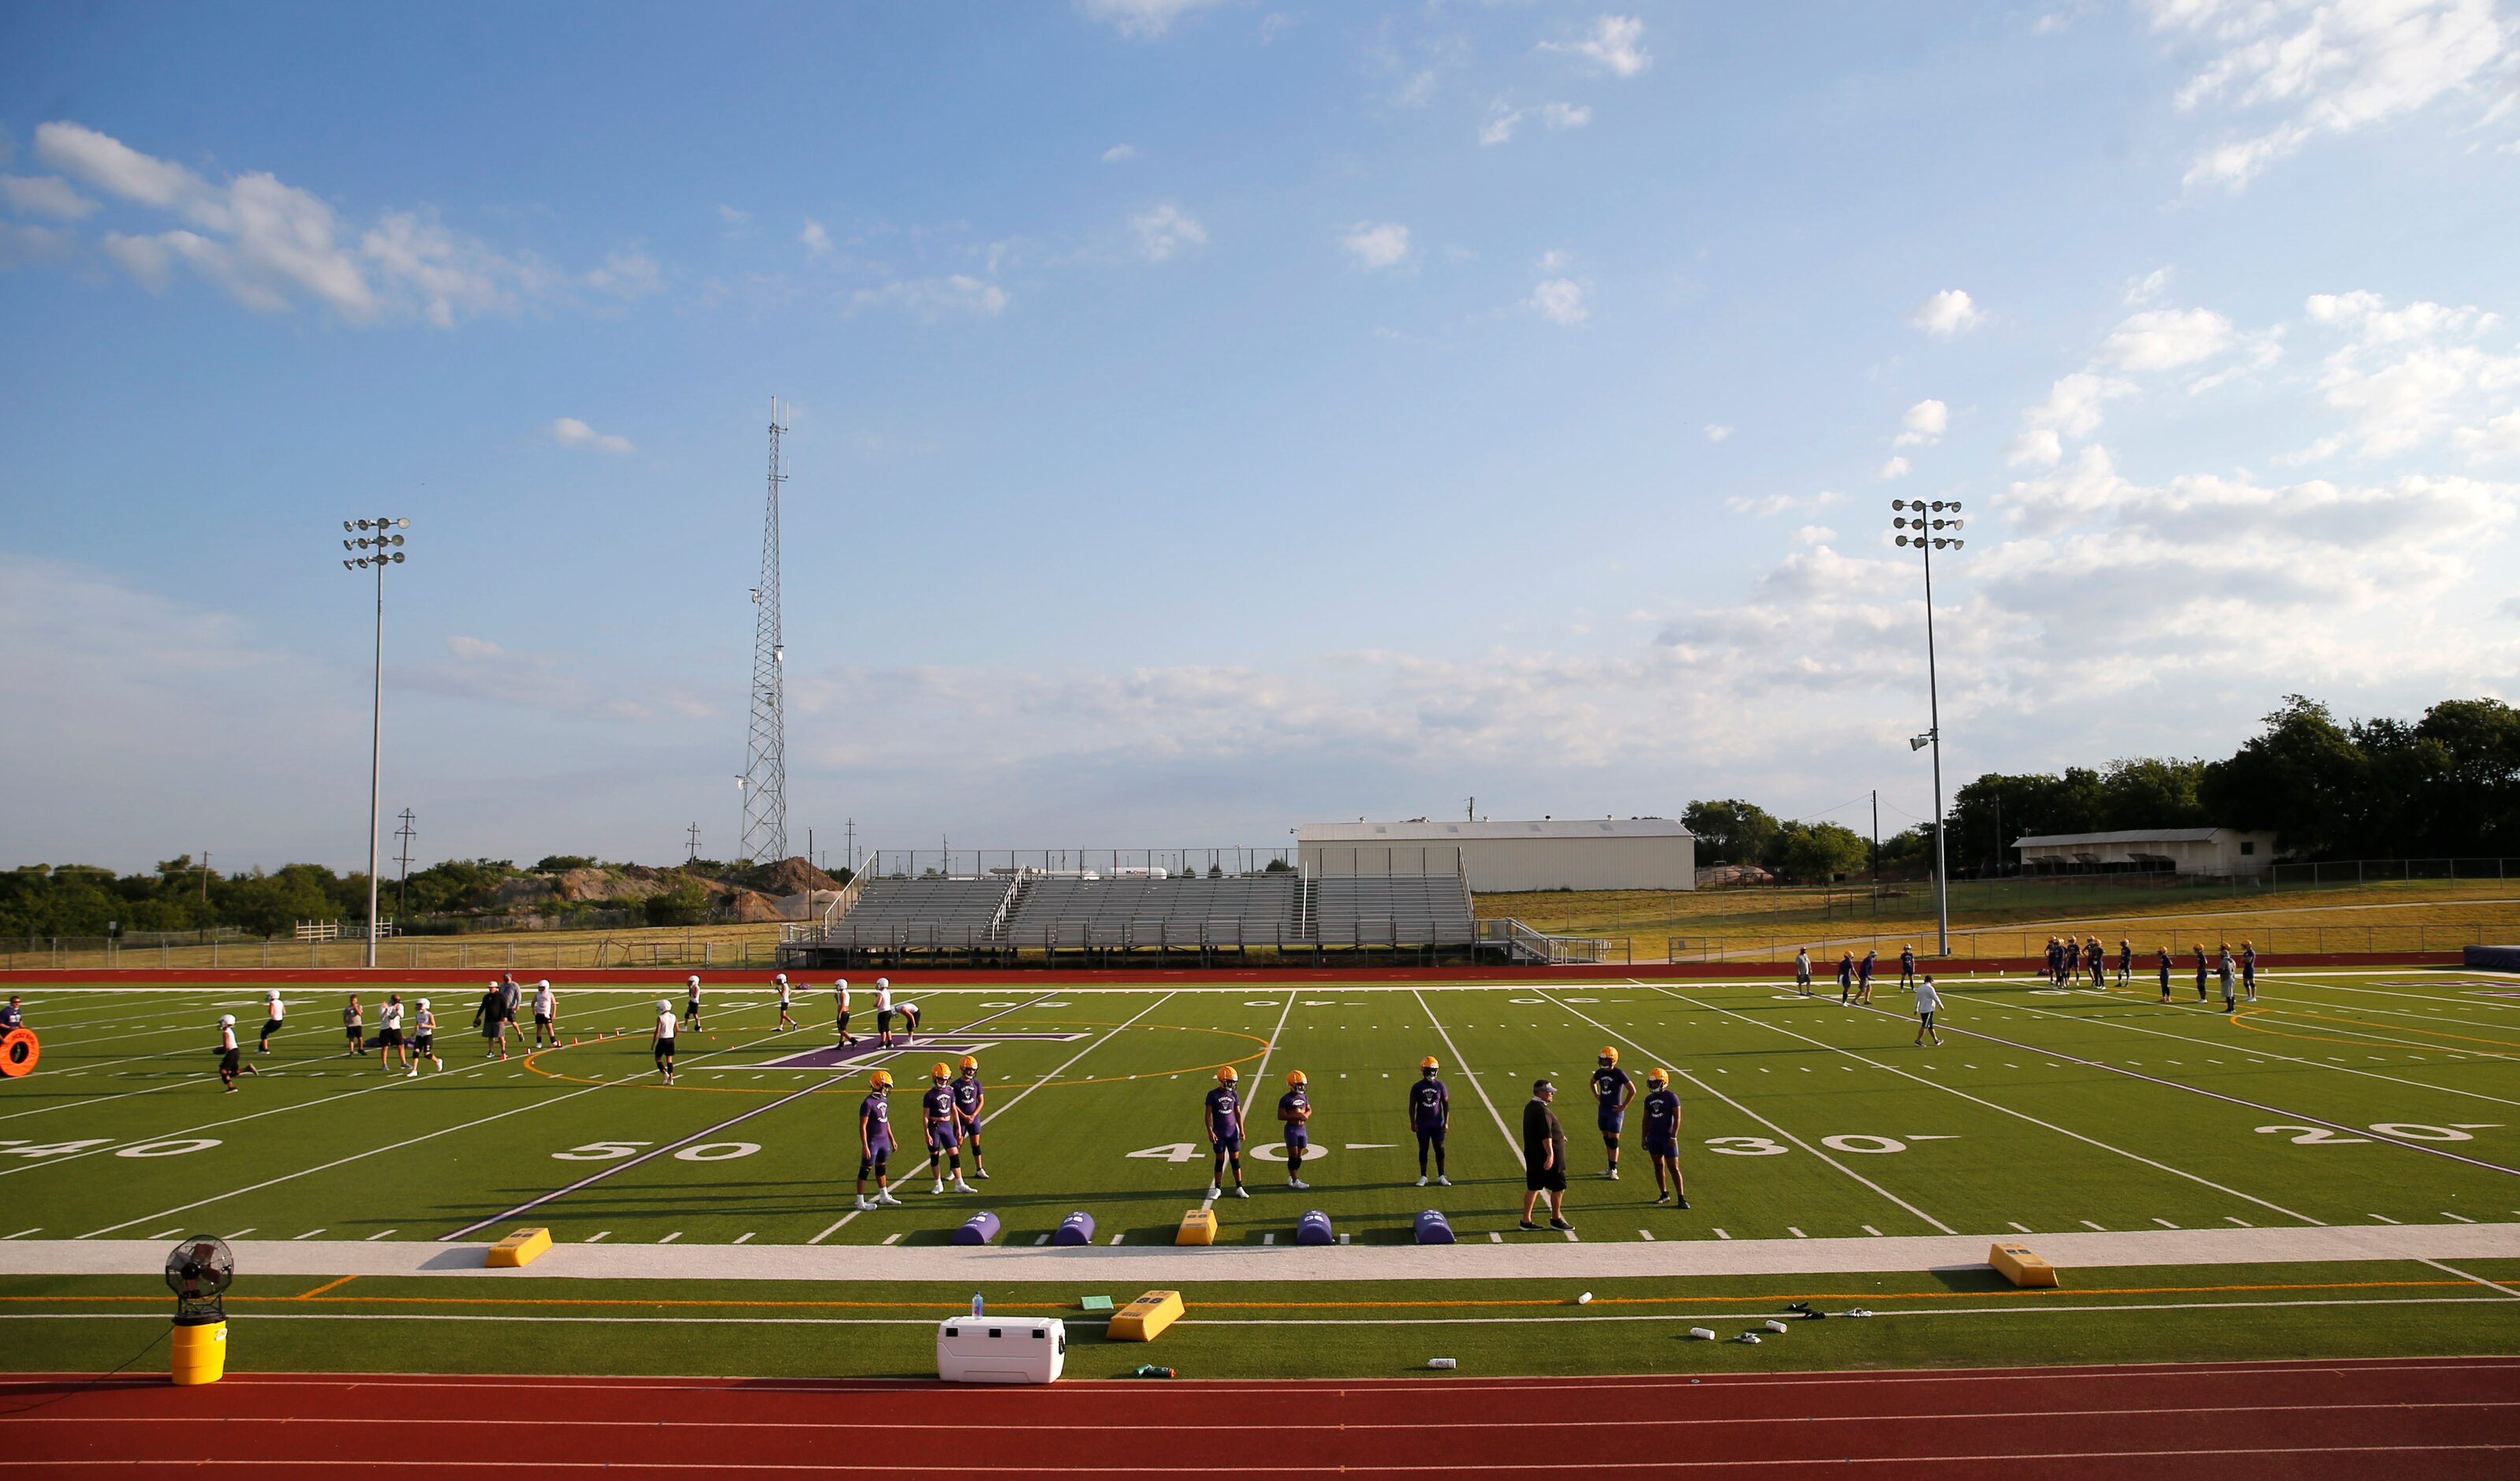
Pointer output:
1026, 915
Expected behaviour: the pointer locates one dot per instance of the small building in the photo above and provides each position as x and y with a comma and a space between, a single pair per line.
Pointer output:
1589, 853
2163, 850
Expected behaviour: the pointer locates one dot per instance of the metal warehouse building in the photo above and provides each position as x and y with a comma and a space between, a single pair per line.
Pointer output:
2176, 850
1606, 853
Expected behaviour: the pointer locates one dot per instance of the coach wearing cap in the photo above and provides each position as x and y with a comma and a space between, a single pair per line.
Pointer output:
1543, 1157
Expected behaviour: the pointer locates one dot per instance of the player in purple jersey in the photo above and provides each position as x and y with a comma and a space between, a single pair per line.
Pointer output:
1295, 1110
1863, 975
1430, 1115
2249, 969
1845, 978
969, 1100
1662, 1137
1224, 1111
1907, 969
944, 1128
1612, 1090
874, 1141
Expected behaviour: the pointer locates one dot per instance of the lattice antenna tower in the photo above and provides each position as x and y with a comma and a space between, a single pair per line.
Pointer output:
765, 766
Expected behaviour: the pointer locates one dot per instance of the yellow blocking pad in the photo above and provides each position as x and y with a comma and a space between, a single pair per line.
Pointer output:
1197, 1226
518, 1249
2018, 1264
1141, 1320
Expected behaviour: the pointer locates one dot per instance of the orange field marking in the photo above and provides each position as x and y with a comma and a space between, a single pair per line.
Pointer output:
2376, 1029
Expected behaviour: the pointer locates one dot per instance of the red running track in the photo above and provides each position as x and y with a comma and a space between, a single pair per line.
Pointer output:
2433, 1419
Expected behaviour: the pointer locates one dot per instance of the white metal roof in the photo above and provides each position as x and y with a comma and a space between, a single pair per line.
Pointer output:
2132, 835
1460, 833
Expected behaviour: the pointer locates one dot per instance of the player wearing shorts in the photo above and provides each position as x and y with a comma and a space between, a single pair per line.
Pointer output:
546, 1014
1661, 1111
1295, 1112
511, 1003
2249, 969
840, 1010
230, 1065
1802, 969
424, 1042
1863, 975
661, 1045
883, 1012
874, 1143
390, 1035
691, 1000
273, 1011
786, 1020
1430, 1116
970, 1100
1928, 1003
944, 1128
491, 1017
353, 1028
1907, 969
1223, 1112
1612, 1090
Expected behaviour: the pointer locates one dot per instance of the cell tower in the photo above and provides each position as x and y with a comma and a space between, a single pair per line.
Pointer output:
765, 766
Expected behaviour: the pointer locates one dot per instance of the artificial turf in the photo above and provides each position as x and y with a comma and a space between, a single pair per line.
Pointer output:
1804, 1118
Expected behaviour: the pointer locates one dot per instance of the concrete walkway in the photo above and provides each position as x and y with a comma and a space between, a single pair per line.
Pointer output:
1524, 1258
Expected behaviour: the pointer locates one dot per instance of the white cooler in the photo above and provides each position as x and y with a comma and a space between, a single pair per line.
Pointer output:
1001, 1349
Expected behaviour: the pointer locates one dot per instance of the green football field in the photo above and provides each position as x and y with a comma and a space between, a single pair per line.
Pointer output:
2338, 1099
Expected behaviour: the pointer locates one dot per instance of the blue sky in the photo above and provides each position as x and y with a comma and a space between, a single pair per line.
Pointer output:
1212, 417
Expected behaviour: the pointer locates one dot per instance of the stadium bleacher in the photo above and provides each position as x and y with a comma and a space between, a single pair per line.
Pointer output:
1081, 918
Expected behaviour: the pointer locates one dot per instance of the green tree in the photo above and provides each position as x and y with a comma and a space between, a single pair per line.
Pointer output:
1815, 853
1730, 831
686, 904
2302, 778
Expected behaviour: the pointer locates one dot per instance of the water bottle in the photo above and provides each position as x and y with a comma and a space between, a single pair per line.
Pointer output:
976, 1304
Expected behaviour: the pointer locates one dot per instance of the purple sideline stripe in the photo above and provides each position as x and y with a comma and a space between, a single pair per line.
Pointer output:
591, 1178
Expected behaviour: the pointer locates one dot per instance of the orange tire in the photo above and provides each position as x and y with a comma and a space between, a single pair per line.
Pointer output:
19, 1051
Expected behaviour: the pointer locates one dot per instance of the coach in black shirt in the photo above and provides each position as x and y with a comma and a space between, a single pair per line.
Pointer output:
1543, 1157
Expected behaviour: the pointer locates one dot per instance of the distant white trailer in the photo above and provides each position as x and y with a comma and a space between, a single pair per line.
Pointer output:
1554, 853
2174, 850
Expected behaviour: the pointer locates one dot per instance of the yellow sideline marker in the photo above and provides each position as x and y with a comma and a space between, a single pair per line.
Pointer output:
1142, 1319
1197, 1226
518, 1249
2018, 1264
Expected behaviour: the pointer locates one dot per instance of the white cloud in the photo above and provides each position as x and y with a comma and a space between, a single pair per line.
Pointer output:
1946, 315
1559, 301
2147, 288
1770, 505
817, 241
270, 244
1141, 19
25, 245
1119, 153
2072, 409
1166, 231
1276, 24
1814, 535
2413, 375
627, 275
1923, 426
46, 196
569, 431
2307, 68
1896, 468
1717, 431
734, 219
1555, 258
2165, 339
552, 684
2034, 445
1504, 118
1376, 245
1564, 115
1418, 91
1500, 124
2492, 442
1615, 43
956, 294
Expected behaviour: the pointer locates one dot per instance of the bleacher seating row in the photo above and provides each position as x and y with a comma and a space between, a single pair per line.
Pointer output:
1047, 914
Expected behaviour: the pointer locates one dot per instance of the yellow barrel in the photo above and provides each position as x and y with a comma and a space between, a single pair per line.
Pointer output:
201, 1354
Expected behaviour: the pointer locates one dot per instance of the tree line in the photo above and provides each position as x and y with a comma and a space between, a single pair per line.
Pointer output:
2446, 784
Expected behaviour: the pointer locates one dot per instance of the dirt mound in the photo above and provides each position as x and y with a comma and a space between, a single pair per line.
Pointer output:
753, 906
1723, 875
602, 884
793, 876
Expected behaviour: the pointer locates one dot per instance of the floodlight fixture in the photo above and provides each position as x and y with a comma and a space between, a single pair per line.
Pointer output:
1919, 517
1920, 742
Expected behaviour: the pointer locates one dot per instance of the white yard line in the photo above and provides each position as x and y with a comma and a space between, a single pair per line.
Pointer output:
1996, 1105
843, 1221
2211, 1095
2479, 1279
1710, 1090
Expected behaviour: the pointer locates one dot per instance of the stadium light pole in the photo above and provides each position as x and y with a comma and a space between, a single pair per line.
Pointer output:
379, 549
1921, 517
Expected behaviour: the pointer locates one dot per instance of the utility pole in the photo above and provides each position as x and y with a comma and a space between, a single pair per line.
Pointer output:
1999, 834
849, 847
1876, 851
692, 856
1473, 813
206, 878
402, 887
